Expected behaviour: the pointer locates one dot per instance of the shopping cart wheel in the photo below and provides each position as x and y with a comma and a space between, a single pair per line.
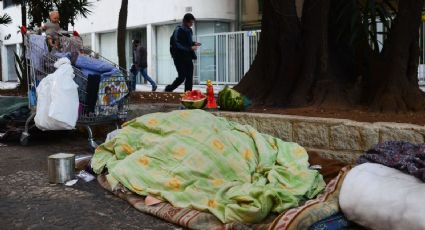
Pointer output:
24, 140
92, 144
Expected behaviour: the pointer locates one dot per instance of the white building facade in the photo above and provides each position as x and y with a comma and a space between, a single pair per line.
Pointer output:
151, 22
10, 41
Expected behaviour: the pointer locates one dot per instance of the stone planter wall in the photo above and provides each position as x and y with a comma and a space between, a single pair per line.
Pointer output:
333, 138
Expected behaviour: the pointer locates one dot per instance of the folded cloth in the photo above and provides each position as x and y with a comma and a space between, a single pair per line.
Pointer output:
36, 54
312, 211
379, 197
404, 156
193, 159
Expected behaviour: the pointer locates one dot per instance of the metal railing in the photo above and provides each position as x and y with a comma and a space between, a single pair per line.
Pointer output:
421, 75
224, 58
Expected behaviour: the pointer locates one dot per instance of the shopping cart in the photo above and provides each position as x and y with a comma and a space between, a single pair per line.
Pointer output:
40, 63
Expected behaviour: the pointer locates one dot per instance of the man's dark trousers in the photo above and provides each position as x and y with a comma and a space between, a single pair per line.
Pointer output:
184, 68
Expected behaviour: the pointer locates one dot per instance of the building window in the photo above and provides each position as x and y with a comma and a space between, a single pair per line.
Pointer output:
260, 6
7, 3
251, 14
11, 72
108, 46
166, 72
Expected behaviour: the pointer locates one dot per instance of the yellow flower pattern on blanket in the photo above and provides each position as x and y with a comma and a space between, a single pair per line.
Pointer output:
299, 151
174, 184
212, 204
217, 182
127, 149
153, 122
144, 161
248, 155
218, 145
194, 159
179, 152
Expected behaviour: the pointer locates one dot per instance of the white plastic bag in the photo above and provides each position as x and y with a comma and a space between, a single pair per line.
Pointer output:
57, 107
379, 197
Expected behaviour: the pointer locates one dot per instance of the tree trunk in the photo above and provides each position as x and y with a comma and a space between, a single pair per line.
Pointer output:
295, 64
277, 61
397, 76
24, 12
121, 36
23, 87
301, 62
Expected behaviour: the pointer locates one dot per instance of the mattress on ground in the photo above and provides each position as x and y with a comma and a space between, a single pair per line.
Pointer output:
301, 218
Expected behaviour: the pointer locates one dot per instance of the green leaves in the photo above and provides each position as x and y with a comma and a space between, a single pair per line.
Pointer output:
20, 69
5, 19
353, 20
69, 10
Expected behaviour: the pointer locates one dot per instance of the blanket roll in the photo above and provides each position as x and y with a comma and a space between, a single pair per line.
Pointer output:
379, 197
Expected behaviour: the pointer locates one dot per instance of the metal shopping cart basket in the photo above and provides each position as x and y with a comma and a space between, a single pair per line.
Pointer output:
109, 105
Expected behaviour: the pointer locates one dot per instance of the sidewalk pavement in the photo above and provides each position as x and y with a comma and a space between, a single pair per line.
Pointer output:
180, 89
8, 85
28, 201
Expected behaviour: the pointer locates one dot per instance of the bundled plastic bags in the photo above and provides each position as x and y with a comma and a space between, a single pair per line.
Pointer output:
380, 197
57, 107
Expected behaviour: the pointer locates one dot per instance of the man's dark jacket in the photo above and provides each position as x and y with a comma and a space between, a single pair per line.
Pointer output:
182, 43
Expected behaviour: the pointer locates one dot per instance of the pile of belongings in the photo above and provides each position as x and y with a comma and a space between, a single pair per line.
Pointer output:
87, 86
200, 171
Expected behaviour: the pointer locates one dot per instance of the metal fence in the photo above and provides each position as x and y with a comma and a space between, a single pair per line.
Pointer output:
224, 58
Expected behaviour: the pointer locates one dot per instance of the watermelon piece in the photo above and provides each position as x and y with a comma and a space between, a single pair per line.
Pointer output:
231, 100
194, 100
194, 104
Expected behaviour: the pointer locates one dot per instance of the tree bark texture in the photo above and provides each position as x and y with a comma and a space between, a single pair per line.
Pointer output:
301, 62
121, 34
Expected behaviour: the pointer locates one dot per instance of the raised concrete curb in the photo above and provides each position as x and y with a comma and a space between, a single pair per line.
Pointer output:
333, 138
341, 139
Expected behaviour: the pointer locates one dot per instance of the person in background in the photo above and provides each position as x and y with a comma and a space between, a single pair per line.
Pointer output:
182, 49
140, 65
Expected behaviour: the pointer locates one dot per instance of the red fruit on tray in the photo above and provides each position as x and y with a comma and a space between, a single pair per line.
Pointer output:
193, 95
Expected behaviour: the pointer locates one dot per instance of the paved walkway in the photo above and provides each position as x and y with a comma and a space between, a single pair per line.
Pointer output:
8, 85
161, 88
28, 201
145, 88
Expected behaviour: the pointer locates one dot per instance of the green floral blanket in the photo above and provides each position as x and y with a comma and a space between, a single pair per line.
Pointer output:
193, 159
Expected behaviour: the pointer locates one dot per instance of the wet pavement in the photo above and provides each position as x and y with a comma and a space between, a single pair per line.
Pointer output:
28, 201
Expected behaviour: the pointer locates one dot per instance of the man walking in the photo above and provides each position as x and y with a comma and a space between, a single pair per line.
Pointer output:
140, 65
182, 49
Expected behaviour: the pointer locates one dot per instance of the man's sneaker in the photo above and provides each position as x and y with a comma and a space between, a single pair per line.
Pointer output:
154, 87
